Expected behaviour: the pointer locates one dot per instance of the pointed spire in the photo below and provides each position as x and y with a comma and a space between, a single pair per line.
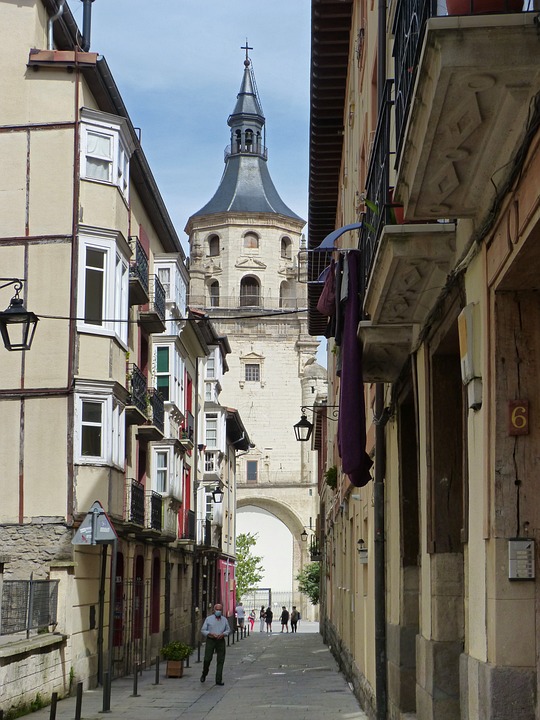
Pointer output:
246, 185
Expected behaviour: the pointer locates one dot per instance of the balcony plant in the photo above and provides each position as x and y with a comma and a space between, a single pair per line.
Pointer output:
175, 653
330, 477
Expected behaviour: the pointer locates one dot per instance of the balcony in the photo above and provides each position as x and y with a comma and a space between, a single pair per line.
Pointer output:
136, 408
189, 527
135, 503
155, 425
212, 465
152, 315
187, 433
464, 88
138, 273
154, 513
403, 267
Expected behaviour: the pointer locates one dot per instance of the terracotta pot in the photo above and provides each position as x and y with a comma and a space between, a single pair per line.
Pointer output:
175, 668
479, 7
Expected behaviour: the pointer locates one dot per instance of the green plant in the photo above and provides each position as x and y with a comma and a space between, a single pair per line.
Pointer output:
71, 677
309, 581
330, 477
176, 650
37, 703
249, 570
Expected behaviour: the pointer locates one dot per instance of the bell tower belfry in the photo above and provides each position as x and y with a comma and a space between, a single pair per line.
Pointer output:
244, 245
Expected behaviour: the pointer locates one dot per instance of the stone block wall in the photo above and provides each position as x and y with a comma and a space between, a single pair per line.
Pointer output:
34, 547
31, 670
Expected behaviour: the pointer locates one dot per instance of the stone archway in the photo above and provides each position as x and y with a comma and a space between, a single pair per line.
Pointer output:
293, 515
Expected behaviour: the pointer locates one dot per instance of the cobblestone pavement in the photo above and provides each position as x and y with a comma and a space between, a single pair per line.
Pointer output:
267, 677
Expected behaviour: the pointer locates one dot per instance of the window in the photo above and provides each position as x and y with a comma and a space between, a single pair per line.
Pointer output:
211, 366
253, 372
249, 292
99, 429
104, 285
251, 471
162, 470
168, 371
286, 246
213, 289
162, 371
164, 275
211, 431
213, 246
92, 428
209, 504
106, 148
251, 240
286, 295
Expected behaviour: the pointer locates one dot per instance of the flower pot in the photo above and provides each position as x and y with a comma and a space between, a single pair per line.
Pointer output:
478, 7
175, 668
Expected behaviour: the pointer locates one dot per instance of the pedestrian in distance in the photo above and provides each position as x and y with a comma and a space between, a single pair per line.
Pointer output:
294, 619
268, 617
251, 618
240, 615
215, 629
284, 619
262, 616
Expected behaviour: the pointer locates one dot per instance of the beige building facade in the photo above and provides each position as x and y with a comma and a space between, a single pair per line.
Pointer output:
105, 411
424, 129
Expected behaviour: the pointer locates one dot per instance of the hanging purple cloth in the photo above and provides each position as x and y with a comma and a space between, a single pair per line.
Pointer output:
352, 411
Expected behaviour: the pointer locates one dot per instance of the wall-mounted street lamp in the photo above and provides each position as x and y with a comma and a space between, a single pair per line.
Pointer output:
17, 324
304, 428
217, 495
303, 536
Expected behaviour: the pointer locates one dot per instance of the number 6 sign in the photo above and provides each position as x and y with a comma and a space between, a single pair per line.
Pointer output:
518, 417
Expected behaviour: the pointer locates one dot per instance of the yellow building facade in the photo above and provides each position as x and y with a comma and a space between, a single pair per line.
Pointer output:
424, 130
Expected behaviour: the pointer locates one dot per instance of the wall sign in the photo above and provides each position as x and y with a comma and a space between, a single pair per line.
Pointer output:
518, 417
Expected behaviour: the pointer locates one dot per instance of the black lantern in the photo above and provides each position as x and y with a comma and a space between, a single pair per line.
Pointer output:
17, 324
303, 535
217, 495
303, 429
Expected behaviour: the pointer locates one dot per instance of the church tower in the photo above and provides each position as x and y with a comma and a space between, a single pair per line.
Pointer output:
244, 245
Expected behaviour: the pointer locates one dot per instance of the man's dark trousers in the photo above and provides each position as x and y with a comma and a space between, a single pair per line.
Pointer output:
219, 647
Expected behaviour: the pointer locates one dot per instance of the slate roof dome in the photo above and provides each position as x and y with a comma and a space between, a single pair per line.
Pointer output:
246, 185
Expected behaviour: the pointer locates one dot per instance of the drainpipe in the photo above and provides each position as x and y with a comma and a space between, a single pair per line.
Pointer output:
381, 689
87, 24
52, 20
381, 418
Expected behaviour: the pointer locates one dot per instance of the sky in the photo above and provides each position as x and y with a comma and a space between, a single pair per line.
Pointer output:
179, 64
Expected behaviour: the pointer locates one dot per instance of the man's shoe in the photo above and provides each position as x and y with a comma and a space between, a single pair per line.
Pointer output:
203, 677
221, 683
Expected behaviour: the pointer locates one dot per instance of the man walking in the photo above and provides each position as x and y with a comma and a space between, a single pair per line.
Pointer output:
240, 615
215, 628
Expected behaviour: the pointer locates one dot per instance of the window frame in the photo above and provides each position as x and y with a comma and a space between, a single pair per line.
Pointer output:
113, 424
115, 288
248, 367
115, 128
252, 463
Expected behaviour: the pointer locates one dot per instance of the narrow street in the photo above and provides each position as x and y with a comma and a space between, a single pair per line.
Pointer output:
267, 677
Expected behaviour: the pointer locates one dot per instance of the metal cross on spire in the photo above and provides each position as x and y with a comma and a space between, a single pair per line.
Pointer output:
246, 48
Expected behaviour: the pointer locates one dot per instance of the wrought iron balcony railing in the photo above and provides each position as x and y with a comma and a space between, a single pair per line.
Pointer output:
155, 510
137, 387
135, 508
157, 296
138, 268
378, 201
157, 405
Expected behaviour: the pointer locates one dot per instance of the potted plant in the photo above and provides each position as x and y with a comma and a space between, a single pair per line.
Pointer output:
175, 653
